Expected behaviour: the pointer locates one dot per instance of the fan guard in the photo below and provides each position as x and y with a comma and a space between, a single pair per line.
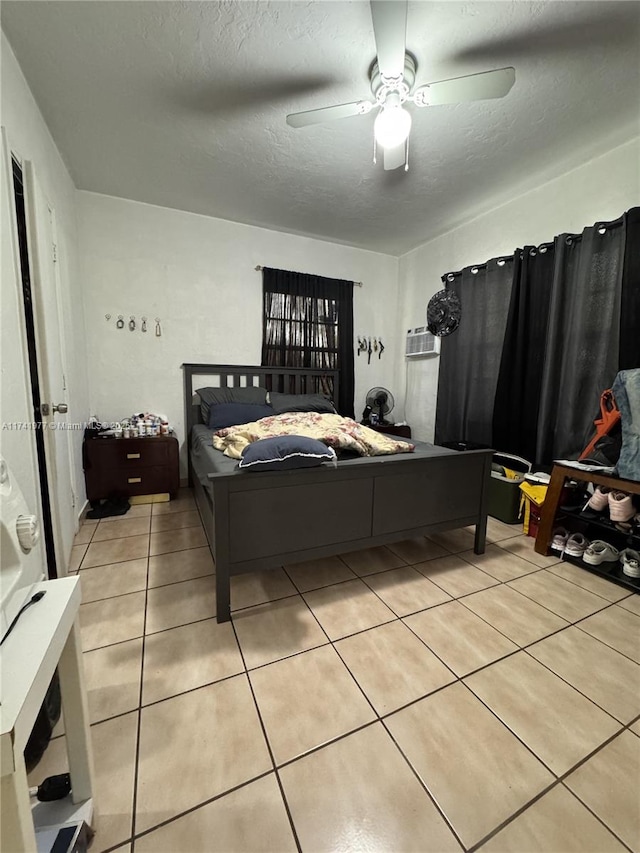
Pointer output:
380, 401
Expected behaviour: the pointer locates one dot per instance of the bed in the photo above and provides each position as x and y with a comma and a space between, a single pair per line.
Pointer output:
265, 520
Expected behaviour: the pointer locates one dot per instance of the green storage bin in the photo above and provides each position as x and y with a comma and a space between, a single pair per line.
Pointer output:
504, 493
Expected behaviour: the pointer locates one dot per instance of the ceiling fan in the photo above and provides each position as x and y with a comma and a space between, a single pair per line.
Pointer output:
392, 76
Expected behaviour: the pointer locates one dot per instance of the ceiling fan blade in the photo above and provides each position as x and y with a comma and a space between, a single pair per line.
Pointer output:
588, 25
390, 29
394, 157
328, 114
472, 87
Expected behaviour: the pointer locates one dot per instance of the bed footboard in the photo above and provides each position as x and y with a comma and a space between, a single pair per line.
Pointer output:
262, 521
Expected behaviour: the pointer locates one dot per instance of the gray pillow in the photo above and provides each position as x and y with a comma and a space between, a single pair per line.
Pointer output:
209, 396
300, 403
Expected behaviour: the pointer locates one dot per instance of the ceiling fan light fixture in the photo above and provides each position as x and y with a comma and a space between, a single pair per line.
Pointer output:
392, 124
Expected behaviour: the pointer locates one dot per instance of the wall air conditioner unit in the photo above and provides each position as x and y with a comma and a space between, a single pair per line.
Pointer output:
421, 343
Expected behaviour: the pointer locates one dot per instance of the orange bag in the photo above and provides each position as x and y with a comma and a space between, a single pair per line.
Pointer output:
610, 416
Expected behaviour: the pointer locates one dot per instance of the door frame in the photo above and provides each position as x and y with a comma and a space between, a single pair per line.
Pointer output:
56, 562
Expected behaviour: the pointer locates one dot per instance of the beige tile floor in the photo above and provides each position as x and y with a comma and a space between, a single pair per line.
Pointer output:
417, 698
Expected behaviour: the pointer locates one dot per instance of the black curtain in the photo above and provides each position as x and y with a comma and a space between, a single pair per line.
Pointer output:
574, 321
630, 300
571, 322
583, 338
517, 401
470, 357
308, 322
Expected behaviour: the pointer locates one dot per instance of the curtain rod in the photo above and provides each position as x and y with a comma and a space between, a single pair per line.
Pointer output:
356, 283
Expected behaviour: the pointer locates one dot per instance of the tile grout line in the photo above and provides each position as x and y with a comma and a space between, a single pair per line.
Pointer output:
129, 559
584, 631
607, 602
195, 808
560, 780
520, 648
136, 770
593, 575
456, 677
158, 586
346, 636
503, 723
378, 717
569, 684
440, 811
268, 744
596, 816
559, 776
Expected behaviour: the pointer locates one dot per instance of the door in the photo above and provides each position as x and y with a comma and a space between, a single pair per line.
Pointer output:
45, 260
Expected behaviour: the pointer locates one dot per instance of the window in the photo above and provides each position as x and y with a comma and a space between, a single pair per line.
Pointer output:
308, 322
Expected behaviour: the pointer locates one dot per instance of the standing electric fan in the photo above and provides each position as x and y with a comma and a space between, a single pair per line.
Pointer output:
379, 402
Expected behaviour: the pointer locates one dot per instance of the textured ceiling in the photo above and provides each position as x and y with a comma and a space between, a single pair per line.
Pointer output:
183, 104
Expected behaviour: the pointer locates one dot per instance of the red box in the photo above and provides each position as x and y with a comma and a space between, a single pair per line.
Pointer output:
534, 520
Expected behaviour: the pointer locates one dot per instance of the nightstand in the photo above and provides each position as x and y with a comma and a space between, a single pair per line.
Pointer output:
403, 430
123, 467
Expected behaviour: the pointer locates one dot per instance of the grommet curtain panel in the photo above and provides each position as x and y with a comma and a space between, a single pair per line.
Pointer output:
308, 322
582, 351
572, 315
470, 357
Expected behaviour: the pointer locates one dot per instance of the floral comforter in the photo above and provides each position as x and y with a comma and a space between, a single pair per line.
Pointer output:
334, 430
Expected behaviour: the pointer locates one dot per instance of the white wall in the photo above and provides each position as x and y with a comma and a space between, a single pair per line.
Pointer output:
30, 139
197, 274
600, 189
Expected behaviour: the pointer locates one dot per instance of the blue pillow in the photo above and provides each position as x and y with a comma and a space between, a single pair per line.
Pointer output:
300, 403
285, 451
223, 415
209, 396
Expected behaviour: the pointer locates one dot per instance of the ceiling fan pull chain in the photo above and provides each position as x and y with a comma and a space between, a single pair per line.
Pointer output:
406, 155
375, 160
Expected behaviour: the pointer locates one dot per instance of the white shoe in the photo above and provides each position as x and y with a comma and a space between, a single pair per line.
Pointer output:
630, 560
559, 540
600, 552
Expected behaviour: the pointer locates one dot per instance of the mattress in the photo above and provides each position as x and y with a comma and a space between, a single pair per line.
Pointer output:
207, 460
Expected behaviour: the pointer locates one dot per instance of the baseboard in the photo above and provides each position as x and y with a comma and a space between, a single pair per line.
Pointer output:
83, 513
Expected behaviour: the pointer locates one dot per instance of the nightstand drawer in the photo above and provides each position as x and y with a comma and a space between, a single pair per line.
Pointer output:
128, 452
137, 481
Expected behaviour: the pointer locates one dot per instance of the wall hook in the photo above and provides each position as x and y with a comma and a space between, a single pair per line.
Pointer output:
158, 329
120, 322
132, 324
107, 317
143, 327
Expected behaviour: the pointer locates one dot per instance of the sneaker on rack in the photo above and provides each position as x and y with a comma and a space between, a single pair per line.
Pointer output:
600, 552
599, 500
576, 545
559, 540
630, 560
620, 506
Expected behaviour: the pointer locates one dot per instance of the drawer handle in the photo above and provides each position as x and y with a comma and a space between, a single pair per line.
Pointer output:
134, 480
133, 456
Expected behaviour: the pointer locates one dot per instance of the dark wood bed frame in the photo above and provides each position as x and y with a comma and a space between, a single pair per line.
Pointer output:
267, 520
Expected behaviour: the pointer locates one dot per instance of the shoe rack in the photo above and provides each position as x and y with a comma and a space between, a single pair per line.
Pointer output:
553, 514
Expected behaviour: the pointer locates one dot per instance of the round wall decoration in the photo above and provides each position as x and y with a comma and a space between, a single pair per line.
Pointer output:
443, 313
